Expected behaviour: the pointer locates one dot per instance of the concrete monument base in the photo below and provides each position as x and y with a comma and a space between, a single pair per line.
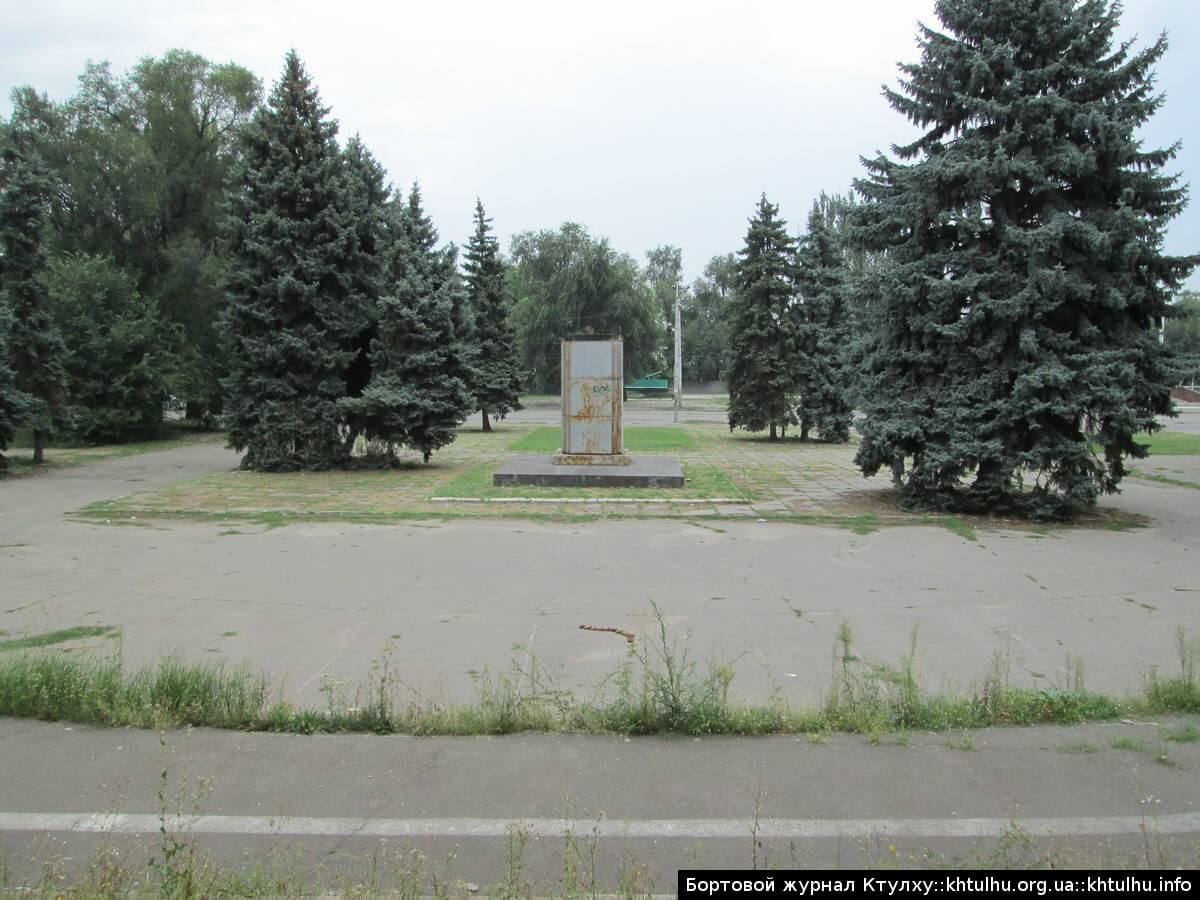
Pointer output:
590, 459
642, 471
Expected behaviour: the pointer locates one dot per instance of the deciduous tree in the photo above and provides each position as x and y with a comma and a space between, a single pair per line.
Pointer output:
567, 282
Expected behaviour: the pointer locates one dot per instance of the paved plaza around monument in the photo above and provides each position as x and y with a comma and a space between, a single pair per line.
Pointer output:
320, 601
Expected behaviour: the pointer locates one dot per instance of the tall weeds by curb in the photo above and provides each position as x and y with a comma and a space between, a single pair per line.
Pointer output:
657, 689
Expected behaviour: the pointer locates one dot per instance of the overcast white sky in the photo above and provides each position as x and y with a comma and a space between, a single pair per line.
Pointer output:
649, 122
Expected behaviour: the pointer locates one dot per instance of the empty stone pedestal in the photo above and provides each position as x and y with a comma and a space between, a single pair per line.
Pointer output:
642, 471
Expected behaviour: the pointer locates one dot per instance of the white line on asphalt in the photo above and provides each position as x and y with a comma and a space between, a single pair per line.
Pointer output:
674, 500
304, 826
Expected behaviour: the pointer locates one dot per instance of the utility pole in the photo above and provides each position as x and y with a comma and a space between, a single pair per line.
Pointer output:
678, 350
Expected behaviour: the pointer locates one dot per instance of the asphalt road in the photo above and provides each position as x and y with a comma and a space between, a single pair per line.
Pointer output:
334, 803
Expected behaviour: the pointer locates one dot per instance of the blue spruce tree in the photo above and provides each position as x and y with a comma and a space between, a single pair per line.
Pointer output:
1015, 354
417, 396
294, 317
762, 382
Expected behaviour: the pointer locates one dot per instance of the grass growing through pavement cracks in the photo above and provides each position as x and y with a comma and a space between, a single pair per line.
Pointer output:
58, 637
657, 689
1165, 479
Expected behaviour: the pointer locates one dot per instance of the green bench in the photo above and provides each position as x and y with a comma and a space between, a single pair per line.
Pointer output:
648, 386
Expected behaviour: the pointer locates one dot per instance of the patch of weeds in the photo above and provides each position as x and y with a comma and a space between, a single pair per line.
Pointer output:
228, 634
1187, 733
1121, 524
229, 531
1178, 693
1077, 747
1129, 742
61, 636
657, 688
1162, 753
866, 523
1165, 479
965, 742
957, 526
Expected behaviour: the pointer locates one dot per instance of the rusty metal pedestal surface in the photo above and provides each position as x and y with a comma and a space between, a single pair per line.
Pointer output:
593, 378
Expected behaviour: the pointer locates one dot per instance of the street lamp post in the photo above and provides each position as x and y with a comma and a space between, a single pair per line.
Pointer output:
678, 358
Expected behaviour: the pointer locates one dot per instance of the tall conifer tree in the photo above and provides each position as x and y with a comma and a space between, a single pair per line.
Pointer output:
35, 344
442, 268
496, 380
762, 382
1026, 272
14, 404
120, 349
823, 333
368, 195
416, 396
293, 316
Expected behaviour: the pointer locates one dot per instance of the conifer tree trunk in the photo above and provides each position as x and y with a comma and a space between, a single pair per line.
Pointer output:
774, 436
487, 426
39, 446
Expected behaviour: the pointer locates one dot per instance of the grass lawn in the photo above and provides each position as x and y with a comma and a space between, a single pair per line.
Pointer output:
1171, 443
699, 482
715, 467
792, 481
20, 458
536, 400
638, 439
